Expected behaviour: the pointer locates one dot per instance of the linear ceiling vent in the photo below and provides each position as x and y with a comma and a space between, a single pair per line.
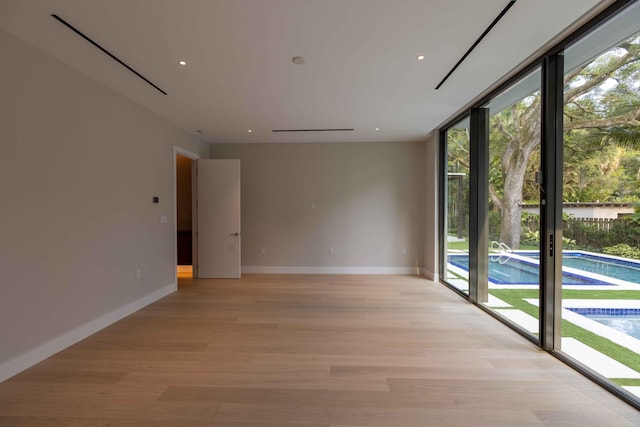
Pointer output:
112, 56
477, 42
312, 130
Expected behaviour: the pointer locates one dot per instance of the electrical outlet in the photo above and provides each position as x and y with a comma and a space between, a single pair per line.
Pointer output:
263, 251
138, 274
331, 251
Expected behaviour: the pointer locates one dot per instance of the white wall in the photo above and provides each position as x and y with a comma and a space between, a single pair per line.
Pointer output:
369, 206
431, 244
78, 169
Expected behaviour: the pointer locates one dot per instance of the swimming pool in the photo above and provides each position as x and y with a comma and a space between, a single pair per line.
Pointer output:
626, 320
518, 271
611, 267
622, 269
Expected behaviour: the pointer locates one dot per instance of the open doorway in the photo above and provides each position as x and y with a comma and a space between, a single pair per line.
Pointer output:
185, 226
184, 216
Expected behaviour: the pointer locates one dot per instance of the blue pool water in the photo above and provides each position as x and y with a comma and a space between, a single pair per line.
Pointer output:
520, 272
618, 269
626, 320
611, 267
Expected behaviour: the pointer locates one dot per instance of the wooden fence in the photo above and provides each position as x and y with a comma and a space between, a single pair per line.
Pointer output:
600, 224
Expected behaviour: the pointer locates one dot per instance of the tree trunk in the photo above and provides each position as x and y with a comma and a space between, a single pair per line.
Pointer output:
520, 126
510, 216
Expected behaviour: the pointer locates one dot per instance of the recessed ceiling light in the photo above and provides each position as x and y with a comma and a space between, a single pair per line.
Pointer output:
420, 57
298, 60
182, 62
249, 131
377, 128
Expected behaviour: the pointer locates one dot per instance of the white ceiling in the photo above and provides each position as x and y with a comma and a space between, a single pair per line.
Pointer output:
361, 69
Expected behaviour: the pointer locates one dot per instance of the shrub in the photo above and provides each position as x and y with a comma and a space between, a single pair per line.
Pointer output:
623, 250
587, 236
533, 238
568, 243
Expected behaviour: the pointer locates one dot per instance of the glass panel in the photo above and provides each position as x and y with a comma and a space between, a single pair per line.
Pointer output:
514, 205
457, 216
601, 188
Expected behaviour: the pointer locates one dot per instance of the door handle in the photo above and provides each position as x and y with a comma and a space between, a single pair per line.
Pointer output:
234, 234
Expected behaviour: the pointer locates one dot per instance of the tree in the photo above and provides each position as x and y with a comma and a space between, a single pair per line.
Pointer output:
514, 138
602, 108
592, 172
458, 185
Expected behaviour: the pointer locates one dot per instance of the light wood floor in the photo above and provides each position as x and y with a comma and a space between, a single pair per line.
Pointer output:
288, 351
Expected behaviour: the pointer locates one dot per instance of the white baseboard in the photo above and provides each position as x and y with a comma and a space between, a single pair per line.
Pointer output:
428, 274
51, 347
329, 270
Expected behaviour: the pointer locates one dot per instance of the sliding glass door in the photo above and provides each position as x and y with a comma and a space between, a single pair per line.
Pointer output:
601, 190
456, 271
513, 256
541, 201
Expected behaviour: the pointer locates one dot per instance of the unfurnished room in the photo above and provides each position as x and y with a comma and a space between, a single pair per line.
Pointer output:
320, 213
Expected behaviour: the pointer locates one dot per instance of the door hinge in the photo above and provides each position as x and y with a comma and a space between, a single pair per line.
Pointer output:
551, 244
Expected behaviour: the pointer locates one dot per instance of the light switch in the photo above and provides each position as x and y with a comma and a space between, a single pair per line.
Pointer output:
163, 219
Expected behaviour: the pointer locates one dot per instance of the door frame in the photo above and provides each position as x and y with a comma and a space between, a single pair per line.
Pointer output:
194, 217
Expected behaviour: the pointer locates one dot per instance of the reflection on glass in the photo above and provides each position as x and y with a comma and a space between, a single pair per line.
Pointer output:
457, 217
514, 205
601, 189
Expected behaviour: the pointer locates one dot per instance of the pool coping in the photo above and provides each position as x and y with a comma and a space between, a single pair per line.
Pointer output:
597, 328
613, 283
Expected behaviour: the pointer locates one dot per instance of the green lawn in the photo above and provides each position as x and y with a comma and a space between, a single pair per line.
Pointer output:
516, 297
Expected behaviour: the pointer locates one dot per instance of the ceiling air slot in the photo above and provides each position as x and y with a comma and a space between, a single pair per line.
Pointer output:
311, 130
477, 42
115, 58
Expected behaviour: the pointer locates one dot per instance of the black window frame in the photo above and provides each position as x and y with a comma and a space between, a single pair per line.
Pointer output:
552, 66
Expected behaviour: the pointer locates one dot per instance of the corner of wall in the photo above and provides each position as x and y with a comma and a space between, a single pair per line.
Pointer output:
24, 361
429, 274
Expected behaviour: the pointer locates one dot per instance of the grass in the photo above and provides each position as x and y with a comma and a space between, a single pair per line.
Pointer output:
459, 246
516, 298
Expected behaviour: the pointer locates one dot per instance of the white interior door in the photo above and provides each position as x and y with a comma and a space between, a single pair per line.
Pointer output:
218, 183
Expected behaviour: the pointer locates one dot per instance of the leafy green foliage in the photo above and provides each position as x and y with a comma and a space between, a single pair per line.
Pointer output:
625, 231
601, 140
533, 237
458, 186
622, 250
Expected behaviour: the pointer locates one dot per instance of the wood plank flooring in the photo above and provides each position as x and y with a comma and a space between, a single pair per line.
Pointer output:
340, 351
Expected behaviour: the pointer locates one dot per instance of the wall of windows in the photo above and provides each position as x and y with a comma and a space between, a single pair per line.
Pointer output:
601, 164
457, 206
513, 252
565, 130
